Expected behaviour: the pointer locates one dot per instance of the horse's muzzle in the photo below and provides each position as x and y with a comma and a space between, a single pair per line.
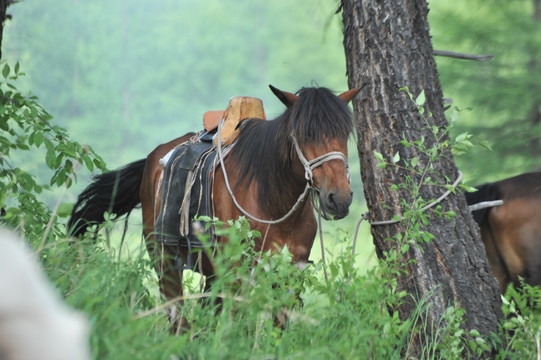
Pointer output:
335, 204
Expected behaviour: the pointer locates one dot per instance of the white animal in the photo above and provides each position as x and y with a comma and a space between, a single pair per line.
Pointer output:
35, 323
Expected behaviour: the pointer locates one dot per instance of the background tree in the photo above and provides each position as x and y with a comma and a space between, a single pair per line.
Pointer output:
26, 128
387, 47
504, 92
4, 4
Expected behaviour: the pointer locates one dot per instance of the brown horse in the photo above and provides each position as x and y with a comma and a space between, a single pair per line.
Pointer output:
511, 232
270, 166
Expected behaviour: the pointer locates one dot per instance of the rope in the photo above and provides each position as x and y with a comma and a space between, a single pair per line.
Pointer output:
390, 222
485, 204
320, 230
228, 186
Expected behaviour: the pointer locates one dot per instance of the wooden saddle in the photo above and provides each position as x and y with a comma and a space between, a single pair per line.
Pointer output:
239, 108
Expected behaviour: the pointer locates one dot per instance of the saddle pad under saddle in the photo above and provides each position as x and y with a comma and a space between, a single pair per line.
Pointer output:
185, 193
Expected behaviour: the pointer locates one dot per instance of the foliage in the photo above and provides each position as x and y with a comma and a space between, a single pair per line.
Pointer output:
419, 172
24, 127
522, 310
503, 92
346, 317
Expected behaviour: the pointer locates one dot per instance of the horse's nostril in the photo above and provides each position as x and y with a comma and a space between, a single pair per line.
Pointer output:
331, 199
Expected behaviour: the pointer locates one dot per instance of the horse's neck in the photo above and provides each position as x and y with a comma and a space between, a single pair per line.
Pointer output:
264, 160
292, 185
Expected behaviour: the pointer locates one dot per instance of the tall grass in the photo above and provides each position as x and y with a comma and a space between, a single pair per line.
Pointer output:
346, 317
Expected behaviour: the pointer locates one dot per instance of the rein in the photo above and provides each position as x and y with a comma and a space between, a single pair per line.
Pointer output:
309, 166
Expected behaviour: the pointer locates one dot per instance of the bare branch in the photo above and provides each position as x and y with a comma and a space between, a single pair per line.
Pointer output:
462, 55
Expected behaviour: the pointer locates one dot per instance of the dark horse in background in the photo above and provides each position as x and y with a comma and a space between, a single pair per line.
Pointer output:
512, 232
267, 174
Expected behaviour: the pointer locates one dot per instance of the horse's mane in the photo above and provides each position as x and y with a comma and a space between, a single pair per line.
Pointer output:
263, 152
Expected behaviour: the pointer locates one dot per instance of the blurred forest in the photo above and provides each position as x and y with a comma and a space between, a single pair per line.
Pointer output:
127, 75
124, 76
503, 93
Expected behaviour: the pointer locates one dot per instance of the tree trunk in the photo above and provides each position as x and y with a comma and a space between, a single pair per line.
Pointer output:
388, 46
3, 17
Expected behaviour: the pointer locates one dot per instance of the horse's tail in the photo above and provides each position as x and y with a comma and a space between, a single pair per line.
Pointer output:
486, 192
115, 192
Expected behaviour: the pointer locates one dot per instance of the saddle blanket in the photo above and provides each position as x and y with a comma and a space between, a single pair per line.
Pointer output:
185, 193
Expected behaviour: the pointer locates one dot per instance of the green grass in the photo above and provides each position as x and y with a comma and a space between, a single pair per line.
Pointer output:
344, 318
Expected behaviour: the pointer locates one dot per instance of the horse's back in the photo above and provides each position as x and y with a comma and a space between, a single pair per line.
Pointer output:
521, 186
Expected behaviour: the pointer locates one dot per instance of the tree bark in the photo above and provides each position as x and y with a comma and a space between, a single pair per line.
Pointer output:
3, 17
388, 46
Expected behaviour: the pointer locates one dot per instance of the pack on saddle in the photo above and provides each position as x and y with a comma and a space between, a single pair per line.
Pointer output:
188, 175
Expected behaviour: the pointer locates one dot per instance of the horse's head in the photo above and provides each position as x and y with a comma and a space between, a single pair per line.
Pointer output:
319, 126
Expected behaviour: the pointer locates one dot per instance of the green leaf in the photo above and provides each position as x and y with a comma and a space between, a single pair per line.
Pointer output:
38, 138
5, 71
88, 162
396, 157
404, 248
454, 115
485, 144
462, 137
378, 156
64, 210
405, 143
420, 100
468, 188
381, 165
4, 123
50, 159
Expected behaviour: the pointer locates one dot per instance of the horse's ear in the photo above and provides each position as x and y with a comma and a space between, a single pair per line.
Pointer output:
287, 98
348, 95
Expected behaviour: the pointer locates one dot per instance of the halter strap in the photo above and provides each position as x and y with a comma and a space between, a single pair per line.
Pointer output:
309, 166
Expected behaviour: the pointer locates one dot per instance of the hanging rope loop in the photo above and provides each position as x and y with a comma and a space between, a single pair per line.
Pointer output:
390, 222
